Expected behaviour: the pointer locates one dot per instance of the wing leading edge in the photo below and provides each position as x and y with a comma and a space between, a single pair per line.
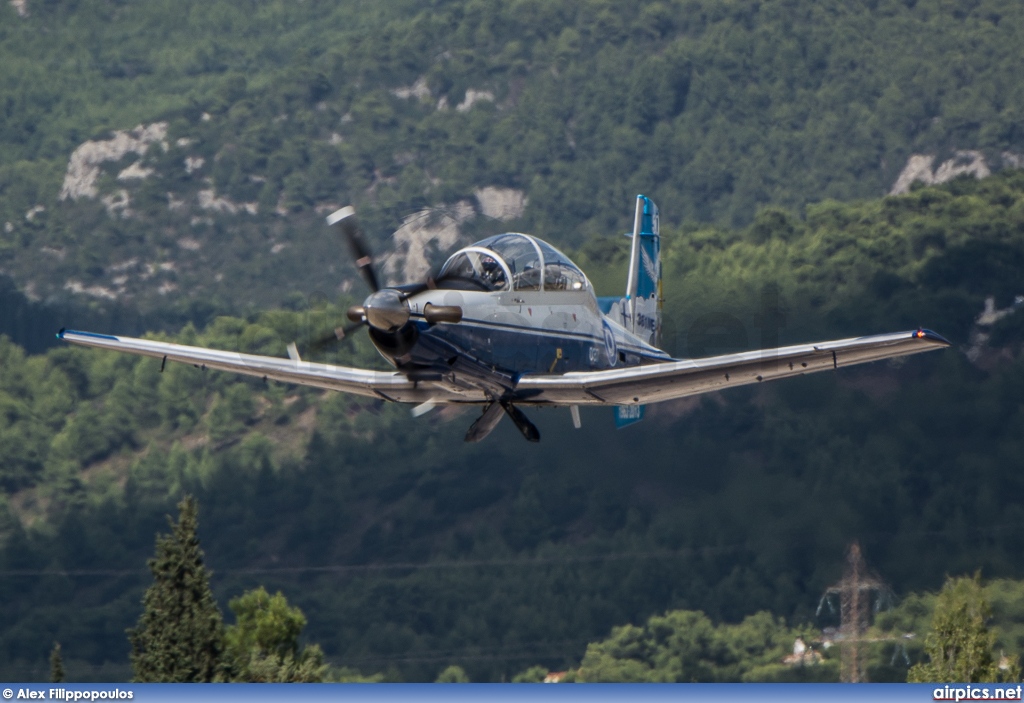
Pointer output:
678, 379
365, 382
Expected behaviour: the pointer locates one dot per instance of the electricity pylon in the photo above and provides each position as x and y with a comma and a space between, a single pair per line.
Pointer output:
855, 601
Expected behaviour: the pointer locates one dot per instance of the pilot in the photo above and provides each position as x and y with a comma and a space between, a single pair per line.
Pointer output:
493, 274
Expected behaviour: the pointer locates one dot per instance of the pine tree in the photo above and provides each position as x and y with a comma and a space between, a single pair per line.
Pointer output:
180, 634
959, 645
56, 664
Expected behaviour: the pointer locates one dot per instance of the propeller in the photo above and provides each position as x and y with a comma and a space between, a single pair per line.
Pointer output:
345, 218
386, 309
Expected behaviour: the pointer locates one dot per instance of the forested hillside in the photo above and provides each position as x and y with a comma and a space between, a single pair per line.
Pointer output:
179, 156
166, 166
409, 551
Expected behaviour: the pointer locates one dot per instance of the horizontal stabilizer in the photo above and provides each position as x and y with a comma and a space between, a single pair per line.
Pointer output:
626, 415
605, 303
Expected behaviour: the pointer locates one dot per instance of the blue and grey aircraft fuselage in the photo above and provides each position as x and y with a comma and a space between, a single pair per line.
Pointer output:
511, 321
515, 331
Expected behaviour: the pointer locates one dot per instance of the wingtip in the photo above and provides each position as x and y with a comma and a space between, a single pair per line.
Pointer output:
77, 333
339, 215
931, 336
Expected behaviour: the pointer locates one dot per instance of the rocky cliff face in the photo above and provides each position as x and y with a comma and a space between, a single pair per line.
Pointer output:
191, 238
921, 168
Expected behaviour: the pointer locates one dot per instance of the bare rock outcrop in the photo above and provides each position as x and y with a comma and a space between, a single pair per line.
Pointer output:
501, 203
1011, 160
208, 200
473, 97
419, 90
85, 162
919, 168
135, 172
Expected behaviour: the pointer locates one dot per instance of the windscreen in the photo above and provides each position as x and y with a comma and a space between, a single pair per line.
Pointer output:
559, 272
473, 270
522, 257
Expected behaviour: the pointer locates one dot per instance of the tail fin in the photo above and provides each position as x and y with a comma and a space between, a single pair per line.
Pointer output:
641, 308
640, 311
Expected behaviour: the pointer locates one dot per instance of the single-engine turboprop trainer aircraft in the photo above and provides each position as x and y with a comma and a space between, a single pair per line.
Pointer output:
511, 322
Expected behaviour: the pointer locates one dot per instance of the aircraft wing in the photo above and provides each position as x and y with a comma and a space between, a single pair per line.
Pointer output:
678, 379
388, 385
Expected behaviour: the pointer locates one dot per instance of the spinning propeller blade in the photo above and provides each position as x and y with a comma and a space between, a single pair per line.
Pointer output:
345, 218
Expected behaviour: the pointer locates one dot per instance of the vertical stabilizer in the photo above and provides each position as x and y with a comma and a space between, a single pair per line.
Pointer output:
640, 310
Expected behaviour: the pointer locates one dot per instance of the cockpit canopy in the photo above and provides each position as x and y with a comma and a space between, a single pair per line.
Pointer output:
512, 261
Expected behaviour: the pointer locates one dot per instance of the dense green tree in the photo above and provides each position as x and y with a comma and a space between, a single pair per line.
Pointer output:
230, 412
453, 674
263, 645
685, 646
287, 669
180, 635
960, 644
